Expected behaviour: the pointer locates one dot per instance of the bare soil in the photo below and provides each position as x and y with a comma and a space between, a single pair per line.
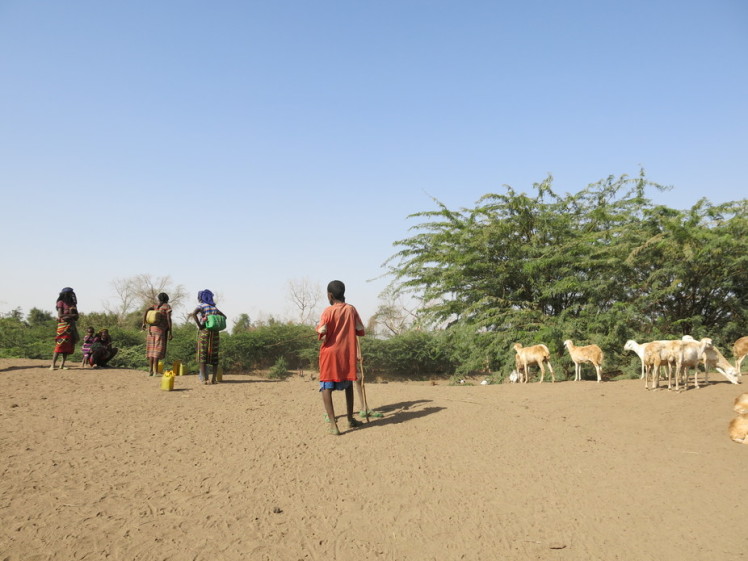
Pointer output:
106, 465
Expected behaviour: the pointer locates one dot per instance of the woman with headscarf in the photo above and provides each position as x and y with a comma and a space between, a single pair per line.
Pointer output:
67, 333
208, 340
158, 333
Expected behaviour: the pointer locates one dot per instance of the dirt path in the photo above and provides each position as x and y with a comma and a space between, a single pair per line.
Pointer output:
104, 465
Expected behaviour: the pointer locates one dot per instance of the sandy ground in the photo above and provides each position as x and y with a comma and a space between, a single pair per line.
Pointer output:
105, 465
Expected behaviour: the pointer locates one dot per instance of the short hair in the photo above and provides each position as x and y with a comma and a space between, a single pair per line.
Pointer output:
337, 289
163, 298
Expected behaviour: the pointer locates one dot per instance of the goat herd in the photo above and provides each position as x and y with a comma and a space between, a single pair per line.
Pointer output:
678, 357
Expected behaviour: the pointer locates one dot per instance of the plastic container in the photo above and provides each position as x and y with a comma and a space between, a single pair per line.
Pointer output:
219, 374
160, 366
167, 381
178, 368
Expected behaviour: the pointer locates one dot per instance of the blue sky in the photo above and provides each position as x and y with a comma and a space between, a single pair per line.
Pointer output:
239, 145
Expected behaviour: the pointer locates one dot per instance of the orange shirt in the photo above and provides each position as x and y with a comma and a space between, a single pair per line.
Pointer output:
339, 326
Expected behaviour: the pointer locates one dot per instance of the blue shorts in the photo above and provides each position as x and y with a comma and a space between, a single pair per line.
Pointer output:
335, 385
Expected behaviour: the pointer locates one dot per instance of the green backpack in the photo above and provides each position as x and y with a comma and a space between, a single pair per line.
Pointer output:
215, 322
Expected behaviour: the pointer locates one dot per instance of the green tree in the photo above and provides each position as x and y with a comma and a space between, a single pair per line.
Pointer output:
600, 265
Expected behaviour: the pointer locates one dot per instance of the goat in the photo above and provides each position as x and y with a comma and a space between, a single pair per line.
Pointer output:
579, 355
689, 357
640, 349
739, 351
667, 353
516, 375
537, 354
738, 429
741, 404
651, 360
714, 360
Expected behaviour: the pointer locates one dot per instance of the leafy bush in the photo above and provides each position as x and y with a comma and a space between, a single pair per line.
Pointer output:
279, 371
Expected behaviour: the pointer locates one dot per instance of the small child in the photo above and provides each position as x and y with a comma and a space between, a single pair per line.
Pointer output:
86, 347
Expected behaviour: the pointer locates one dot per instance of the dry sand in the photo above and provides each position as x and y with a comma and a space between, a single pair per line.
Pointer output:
105, 465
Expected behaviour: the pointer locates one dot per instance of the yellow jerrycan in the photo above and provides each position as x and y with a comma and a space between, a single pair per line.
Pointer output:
160, 366
178, 368
167, 381
219, 374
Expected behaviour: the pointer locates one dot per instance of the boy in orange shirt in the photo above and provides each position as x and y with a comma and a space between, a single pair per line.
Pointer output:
338, 328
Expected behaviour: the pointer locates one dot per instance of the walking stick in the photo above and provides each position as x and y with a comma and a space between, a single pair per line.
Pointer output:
363, 379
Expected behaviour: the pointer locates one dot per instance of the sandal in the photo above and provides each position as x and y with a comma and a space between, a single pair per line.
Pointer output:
335, 431
353, 423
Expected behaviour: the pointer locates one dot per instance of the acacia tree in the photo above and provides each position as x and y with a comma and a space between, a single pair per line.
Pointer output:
691, 270
600, 265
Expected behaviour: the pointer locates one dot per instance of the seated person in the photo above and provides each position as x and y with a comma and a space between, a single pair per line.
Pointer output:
102, 350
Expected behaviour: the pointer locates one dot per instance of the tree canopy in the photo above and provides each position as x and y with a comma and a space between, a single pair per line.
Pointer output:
601, 265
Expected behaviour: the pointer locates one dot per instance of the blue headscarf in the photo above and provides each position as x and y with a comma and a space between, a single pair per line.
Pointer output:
206, 297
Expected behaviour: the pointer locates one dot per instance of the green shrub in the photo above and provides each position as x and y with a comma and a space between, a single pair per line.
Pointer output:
279, 371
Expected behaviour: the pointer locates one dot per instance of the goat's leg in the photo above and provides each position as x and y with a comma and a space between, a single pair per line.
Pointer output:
599, 376
542, 372
553, 376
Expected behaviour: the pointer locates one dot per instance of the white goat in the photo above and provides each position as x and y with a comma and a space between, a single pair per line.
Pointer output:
579, 355
689, 357
667, 354
714, 360
537, 354
739, 351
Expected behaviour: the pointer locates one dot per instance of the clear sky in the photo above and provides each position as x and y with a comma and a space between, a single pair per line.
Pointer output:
238, 145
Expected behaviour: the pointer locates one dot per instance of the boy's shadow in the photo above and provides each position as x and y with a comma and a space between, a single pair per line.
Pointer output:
400, 412
247, 381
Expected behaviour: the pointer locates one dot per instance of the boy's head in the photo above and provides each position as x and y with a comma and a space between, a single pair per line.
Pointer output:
163, 298
336, 291
90, 331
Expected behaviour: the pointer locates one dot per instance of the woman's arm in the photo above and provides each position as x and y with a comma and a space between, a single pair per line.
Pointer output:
194, 315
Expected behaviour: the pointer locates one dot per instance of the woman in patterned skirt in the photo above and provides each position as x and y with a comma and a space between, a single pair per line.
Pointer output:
208, 341
158, 333
67, 333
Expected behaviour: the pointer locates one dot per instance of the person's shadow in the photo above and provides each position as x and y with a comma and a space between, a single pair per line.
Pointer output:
395, 413
10, 368
247, 381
